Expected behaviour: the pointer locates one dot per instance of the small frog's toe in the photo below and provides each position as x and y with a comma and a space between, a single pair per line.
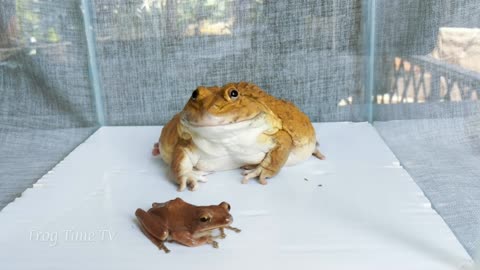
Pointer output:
237, 230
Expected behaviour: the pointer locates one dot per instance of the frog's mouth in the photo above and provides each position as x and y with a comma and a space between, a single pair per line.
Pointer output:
209, 121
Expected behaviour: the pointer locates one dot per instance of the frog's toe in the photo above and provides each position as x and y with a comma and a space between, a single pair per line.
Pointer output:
263, 179
182, 186
192, 184
251, 174
318, 154
214, 244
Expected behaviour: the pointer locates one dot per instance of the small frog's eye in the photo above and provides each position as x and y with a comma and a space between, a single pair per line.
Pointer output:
226, 206
233, 94
195, 94
205, 219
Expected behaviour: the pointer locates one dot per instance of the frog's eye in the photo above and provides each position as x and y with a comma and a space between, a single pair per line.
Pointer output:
233, 94
226, 206
195, 94
205, 219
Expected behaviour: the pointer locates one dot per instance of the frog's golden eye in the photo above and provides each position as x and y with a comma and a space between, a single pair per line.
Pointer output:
195, 94
205, 219
233, 94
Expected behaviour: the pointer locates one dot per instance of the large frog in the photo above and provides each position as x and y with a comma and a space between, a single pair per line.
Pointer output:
235, 126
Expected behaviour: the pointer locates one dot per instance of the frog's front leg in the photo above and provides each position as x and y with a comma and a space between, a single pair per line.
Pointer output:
187, 239
183, 163
273, 161
156, 232
222, 231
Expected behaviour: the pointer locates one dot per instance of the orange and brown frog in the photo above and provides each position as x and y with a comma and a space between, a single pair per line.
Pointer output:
235, 126
187, 224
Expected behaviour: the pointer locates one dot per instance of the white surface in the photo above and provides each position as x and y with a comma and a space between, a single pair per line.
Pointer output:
368, 213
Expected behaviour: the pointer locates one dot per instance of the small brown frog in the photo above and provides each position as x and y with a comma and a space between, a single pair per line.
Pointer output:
187, 224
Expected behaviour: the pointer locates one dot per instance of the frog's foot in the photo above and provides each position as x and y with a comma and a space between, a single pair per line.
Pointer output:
260, 172
191, 180
222, 234
164, 248
155, 150
317, 154
213, 243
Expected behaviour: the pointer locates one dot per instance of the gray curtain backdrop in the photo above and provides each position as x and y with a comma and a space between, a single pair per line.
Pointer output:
46, 106
151, 54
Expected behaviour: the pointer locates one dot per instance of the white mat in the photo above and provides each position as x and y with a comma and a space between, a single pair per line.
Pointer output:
367, 214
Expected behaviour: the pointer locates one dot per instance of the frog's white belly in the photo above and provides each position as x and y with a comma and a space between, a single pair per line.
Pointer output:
226, 147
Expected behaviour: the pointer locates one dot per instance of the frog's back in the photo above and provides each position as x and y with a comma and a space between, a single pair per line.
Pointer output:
294, 122
169, 138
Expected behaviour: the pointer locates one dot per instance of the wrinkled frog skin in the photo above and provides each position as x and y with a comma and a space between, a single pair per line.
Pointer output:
235, 126
187, 224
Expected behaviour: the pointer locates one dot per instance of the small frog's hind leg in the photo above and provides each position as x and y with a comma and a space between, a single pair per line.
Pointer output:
152, 233
158, 243
317, 153
185, 238
273, 161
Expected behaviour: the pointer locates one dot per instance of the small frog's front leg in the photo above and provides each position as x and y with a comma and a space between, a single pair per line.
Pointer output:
237, 230
273, 161
156, 232
186, 238
222, 231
